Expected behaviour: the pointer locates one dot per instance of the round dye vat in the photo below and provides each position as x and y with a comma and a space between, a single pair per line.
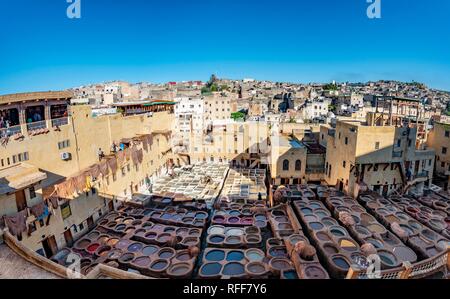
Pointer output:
115, 254
210, 269
429, 234
377, 244
179, 269
112, 241
135, 247
248, 220
142, 261
235, 232
362, 230
290, 274
392, 219
215, 255
92, 248
260, 224
187, 220
359, 260
294, 239
194, 232
255, 268
376, 228
122, 244
274, 242
322, 213
252, 230
407, 229
164, 237
330, 249
136, 222
233, 269
310, 218
327, 221
218, 219
103, 222
348, 245
235, 256
183, 256
233, 240
316, 225
166, 253
126, 258
278, 251
415, 225
315, 206
182, 231
280, 264
149, 250
278, 213
404, 254
282, 226
322, 236
128, 220
233, 220
254, 255
130, 230
338, 231
103, 250
190, 241
169, 229
216, 230
82, 244
166, 216
387, 258
314, 272
252, 239
159, 265
234, 213
216, 239
61, 254
120, 227
306, 211
140, 232
201, 215
341, 262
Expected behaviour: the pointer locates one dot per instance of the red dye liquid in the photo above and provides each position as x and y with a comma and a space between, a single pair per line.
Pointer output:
92, 248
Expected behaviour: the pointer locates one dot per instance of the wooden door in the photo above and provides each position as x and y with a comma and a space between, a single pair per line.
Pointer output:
68, 237
21, 200
90, 222
50, 246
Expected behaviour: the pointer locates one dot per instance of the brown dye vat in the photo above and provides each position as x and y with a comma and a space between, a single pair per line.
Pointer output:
126, 258
93, 236
103, 251
280, 264
158, 267
141, 262
180, 270
257, 270
112, 241
82, 244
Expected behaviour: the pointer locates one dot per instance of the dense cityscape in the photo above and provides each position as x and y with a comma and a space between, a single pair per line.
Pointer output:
226, 179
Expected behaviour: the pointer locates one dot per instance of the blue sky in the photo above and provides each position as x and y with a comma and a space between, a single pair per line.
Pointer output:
174, 40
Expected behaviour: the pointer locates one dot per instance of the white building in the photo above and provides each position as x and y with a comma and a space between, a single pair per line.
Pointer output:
189, 115
312, 109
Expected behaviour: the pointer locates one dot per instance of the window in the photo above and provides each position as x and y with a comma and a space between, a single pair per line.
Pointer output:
298, 165
66, 212
444, 150
123, 171
377, 145
346, 140
375, 167
443, 164
399, 142
286, 165
447, 133
343, 164
63, 144
81, 226
32, 192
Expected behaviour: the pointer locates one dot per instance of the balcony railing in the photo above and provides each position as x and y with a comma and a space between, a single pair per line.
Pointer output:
37, 125
8, 132
58, 122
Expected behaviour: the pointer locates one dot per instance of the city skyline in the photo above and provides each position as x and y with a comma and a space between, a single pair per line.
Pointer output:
289, 41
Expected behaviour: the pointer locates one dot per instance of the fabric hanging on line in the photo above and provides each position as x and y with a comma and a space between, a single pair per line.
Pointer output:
38, 210
134, 156
127, 152
95, 171
54, 201
112, 163
80, 182
17, 223
88, 182
144, 143
103, 168
140, 155
120, 157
